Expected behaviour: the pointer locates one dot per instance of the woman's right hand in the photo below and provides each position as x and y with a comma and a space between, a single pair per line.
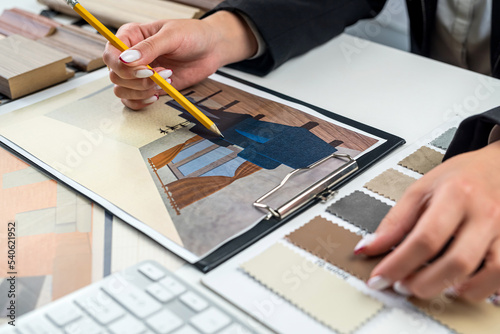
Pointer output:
183, 51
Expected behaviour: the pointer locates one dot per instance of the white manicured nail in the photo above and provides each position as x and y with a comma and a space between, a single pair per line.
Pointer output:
129, 56
143, 74
401, 289
158, 87
152, 99
367, 240
451, 292
378, 283
165, 74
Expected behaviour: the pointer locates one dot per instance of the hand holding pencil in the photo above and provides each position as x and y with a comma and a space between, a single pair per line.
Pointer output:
147, 71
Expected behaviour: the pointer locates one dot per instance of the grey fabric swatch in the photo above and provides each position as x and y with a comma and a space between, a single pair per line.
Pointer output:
443, 141
361, 210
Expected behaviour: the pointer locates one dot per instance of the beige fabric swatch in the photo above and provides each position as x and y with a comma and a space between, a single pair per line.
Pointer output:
335, 245
390, 184
323, 296
422, 160
461, 316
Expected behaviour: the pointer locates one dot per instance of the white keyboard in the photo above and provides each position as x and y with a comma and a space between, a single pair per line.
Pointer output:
143, 299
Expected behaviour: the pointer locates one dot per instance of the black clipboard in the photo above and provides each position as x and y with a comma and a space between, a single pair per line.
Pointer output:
338, 178
351, 169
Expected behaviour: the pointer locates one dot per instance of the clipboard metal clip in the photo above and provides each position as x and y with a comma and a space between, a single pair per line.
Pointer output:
322, 189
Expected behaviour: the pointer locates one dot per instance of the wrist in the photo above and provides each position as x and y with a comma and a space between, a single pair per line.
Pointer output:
235, 40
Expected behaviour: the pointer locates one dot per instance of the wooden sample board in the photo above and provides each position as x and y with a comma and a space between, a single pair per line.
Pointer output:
116, 13
20, 22
86, 48
27, 66
202, 4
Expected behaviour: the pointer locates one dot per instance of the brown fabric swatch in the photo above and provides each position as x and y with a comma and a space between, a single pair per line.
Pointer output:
422, 160
461, 316
335, 245
390, 184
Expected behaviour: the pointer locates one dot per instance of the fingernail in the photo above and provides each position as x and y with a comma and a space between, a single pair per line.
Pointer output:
169, 80
363, 243
158, 87
451, 292
378, 283
165, 74
143, 74
152, 99
401, 289
496, 300
129, 56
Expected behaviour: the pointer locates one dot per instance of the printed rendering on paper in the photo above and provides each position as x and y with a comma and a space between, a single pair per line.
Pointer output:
168, 171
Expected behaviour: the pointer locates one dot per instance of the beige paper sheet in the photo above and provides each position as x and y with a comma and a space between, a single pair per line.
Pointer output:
422, 160
461, 316
325, 297
390, 184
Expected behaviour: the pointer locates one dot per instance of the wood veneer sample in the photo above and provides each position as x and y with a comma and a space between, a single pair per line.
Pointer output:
203, 4
335, 245
390, 184
85, 47
461, 316
324, 296
422, 160
27, 66
20, 22
360, 209
116, 13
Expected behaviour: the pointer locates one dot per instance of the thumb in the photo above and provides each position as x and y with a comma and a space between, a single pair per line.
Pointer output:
146, 51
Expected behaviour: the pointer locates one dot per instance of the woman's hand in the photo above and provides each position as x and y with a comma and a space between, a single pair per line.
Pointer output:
458, 203
182, 51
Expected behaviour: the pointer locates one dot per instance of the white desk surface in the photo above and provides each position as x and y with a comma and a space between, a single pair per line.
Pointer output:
395, 91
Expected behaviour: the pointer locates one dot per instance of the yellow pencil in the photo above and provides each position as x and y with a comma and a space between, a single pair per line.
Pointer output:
174, 93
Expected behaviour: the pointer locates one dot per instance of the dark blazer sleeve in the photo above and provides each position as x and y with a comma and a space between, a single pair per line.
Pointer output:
473, 133
292, 27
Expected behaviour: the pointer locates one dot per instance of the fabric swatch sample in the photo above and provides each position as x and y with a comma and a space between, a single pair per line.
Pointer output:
325, 297
422, 160
390, 184
461, 316
443, 141
360, 209
399, 321
335, 245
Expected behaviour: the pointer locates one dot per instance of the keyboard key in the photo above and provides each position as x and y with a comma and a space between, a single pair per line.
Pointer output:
235, 329
164, 322
195, 302
37, 325
151, 271
131, 297
173, 285
186, 330
127, 325
100, 306
84, 326
210, 321
64, 314
159, 293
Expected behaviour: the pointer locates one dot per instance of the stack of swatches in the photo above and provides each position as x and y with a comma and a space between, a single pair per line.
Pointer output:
330, 299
